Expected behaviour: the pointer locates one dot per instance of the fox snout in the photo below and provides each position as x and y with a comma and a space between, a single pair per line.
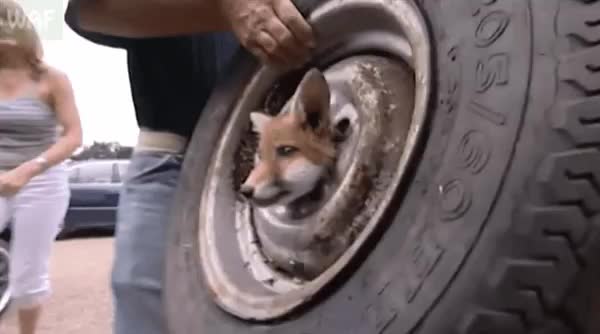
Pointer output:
283, 183
295, 147
247, 191
262, 186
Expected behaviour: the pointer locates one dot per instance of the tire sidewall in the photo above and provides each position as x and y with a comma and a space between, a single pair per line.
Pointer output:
482, 66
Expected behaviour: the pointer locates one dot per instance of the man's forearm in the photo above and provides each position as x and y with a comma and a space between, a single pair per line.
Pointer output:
150, 18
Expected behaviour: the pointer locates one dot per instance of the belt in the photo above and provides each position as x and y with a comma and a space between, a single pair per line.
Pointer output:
161, 141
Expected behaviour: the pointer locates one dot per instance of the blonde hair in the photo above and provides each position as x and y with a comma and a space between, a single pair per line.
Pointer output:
15, 25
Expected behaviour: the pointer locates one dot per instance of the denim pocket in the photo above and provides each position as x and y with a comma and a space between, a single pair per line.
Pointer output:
147, 166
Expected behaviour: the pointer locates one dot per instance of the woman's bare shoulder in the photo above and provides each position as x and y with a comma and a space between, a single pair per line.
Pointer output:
55, 85
54, 77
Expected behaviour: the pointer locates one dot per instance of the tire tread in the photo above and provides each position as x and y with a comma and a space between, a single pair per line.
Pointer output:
530, 285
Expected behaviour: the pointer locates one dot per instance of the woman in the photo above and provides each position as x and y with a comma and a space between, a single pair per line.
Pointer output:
39, 130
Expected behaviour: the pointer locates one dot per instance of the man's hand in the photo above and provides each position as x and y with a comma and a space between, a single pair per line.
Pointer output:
273, 30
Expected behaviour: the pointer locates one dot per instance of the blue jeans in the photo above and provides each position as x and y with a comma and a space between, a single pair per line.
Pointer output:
143, 216
142, 220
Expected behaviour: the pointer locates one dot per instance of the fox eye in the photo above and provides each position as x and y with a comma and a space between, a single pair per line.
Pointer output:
286, 150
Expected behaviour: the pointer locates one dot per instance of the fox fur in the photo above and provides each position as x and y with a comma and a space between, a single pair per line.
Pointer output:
295, 148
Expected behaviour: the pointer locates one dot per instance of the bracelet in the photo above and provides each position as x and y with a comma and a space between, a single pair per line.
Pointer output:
42, 161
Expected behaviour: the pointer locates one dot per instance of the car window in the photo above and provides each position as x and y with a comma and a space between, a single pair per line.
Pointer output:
96, 172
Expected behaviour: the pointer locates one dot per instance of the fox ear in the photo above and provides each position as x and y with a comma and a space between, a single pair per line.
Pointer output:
311, 101
259, 120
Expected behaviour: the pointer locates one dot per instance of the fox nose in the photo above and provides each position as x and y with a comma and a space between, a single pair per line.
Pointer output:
247, 191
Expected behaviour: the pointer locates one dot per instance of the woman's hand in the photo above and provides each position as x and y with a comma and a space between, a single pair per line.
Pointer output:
14, 180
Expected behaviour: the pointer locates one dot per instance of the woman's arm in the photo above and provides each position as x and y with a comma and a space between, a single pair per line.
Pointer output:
63, 101
148, 18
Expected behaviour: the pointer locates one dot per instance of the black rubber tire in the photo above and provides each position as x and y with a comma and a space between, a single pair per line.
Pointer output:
63, 234
498, 231
5, 245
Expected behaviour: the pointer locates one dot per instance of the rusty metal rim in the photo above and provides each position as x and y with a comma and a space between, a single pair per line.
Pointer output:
280, 299
377, 94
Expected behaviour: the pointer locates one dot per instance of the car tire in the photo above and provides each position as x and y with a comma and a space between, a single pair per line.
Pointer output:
4, 268
62, 233
498, 230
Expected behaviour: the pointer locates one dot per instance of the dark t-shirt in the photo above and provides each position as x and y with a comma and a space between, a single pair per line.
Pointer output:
170, 78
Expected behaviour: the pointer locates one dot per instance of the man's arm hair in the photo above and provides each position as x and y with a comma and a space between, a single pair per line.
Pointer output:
149, 18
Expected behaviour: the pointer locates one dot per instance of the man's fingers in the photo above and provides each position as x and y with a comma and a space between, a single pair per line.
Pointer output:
266, 42
288, 46
278, 35
266, 49
293, 20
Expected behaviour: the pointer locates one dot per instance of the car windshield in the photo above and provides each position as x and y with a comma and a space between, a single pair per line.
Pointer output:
97, 172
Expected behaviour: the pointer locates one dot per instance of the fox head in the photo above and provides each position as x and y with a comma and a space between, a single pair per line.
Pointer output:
295, 148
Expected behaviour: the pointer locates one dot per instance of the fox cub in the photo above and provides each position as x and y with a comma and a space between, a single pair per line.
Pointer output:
296, 147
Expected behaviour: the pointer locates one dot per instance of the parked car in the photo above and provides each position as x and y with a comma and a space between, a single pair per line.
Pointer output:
95, 186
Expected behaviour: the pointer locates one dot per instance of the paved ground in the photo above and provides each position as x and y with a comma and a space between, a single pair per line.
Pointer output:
81, 302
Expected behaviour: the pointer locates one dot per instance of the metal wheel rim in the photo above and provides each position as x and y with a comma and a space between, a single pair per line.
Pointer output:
272, 302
